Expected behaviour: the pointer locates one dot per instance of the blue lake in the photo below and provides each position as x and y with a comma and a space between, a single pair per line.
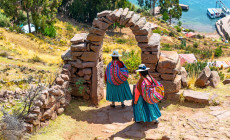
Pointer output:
196, 17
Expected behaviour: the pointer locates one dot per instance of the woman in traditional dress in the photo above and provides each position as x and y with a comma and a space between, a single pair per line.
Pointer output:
116, 75
143, 111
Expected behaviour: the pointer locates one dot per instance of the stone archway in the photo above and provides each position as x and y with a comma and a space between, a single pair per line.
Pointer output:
84, 58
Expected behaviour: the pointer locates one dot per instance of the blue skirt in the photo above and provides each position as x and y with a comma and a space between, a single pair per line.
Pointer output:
118, 93
145, 112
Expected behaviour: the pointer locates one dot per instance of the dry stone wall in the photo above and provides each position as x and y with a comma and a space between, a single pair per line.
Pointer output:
50, 103
85, 54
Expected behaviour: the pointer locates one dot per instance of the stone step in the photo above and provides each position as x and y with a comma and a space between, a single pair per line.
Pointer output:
198, 97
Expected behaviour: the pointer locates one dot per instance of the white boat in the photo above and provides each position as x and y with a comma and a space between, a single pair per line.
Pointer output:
217, 13
211, 13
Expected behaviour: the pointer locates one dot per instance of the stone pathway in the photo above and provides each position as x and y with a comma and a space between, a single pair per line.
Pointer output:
188, 122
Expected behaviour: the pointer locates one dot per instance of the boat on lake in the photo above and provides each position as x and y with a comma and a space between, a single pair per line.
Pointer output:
211, 13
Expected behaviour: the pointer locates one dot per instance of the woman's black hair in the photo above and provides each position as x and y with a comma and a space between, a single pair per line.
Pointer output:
144, 73
115, 58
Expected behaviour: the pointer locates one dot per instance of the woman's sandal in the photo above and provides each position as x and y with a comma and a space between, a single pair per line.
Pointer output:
156, 122
113, 106
123, 105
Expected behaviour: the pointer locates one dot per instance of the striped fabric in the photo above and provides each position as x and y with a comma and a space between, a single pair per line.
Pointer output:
153, 91
144, 112
115, 74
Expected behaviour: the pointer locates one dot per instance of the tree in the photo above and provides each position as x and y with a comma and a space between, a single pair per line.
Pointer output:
172, 8
42, 11
147, 4
86, 10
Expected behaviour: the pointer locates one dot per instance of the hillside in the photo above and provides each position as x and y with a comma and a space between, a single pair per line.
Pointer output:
28, 59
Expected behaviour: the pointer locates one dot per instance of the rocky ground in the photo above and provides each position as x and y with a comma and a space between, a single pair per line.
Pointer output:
179, 120
187, 121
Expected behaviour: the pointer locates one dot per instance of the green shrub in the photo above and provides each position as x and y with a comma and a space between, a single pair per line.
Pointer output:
166, 47
157, 31
4, 21
15, 28
205, 43
121, 40
199, 36
214, 68
50, 31
229, 70
172, 34
194, 69
132, 60
69, 27
218, 52
189, 30
3, 54
34, 59
221, 74
177, 28
195, 45
179, 23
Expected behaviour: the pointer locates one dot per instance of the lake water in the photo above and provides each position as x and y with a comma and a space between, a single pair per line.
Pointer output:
196, 17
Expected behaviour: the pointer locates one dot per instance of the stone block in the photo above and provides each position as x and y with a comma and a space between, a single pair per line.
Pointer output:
87, 71
133, 20
214, 79
154, 42
80, 73
103, 13
150, 49
65, 85
87, 77
97, 83
227, 81
150, 58
66, 55
90, 56
88, 64
151, 66
65, 77
173, 96
78, 48
139, 24
169, 77
123, 15
97, 43
59, 81
170, 70
118, 14
155, 75
60, 111
143, 31
79, 38
168, 59
106, 20
95, 48
172, 86
111, 16
142, 38
125, 20
75, 55
96, 31
100, 24
202, 80
95, 38
76, 64
198, 97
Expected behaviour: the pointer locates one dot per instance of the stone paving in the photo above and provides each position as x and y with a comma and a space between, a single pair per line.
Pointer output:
189, 121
